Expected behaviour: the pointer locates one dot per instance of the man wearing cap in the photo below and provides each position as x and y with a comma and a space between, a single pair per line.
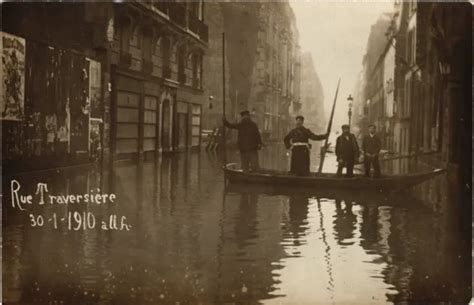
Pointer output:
248, 140
371, 146
298, 141
347, 152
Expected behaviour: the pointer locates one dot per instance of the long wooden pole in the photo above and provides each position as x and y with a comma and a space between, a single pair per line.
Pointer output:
403, 157
323, 149
224, 139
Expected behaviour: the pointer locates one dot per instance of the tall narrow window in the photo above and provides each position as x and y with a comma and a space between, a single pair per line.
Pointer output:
201, 10
181, 54
197, 70
166, 52
135, 39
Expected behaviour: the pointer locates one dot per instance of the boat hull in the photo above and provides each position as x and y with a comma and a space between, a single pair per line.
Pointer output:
328, 181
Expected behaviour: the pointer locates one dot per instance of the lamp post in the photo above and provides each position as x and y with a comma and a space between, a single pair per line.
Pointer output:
349, 113
211, 98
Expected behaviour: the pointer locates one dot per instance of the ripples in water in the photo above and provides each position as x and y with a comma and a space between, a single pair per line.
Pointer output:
194, 243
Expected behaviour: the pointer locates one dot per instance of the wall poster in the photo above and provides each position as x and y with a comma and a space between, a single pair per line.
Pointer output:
12, 99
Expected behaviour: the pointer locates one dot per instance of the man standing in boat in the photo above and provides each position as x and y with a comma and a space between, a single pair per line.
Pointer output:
298, 141
248, 140
371, 146
347, 152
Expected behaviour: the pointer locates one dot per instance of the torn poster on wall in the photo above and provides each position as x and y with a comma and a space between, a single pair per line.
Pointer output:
95, 88
12, 99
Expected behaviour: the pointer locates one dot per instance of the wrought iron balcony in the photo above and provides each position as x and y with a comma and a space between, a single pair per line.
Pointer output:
198, 27
125, 59
162, 6
167, 72
177, 13
147, 67
197, 83
182, 78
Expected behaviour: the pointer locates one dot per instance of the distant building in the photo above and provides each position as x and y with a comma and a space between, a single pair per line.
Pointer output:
263, 64
312, 96
359, 106
398, 38
373, 69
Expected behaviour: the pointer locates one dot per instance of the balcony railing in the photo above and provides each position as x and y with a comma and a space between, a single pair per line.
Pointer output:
167, 72
198, 27
197, 83
162, 6
177, 13
147, 67
182, 78
125, 59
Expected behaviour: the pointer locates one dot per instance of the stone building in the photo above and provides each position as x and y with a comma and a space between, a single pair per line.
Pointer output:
429, 68
431, 96
373, 70
358, 104
157, 66
263, 62
101, 80
213, 76
397, 36
55, 106
312, 96
441, 103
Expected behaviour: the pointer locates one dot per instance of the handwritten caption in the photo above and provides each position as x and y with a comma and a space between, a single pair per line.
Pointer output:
71, 220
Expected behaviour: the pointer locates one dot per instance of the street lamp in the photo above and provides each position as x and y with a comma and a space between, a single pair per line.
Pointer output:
211, 98
349, 113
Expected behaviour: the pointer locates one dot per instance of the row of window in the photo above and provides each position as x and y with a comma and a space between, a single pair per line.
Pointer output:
174, 62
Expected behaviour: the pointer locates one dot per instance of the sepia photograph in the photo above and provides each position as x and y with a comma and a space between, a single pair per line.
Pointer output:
258, 152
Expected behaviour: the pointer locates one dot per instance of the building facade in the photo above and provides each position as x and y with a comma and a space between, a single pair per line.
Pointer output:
371, 101
401, 114
428, 56
312, 96
157, 68
263, 64
101, 81
428, 105
55, 104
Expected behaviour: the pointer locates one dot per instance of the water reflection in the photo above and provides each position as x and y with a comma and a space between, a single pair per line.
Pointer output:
297, 223
196, 241
344, 222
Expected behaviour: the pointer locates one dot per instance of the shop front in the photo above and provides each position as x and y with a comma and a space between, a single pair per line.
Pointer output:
51, 106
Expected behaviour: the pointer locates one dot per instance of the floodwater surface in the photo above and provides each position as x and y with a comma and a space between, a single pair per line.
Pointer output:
188, 239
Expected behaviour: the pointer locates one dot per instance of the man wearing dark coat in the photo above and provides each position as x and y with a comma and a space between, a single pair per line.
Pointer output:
347, 152
297, 140
248, 140
371, 146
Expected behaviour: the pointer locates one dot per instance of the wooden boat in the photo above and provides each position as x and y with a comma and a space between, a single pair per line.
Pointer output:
327, 180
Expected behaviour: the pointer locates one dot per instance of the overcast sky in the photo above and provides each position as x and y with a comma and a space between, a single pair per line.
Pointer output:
336, 34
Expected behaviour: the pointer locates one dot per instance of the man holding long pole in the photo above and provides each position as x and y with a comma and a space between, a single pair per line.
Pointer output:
298, 141
249, 141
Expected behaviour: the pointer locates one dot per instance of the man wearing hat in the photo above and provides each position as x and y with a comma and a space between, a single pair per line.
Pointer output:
371, 146
248, 140
347, 152
298, 141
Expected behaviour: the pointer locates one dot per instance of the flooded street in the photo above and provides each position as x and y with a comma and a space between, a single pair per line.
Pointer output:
128, 128
191, 240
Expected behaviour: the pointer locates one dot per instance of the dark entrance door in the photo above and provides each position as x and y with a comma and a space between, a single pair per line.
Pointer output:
166, 126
